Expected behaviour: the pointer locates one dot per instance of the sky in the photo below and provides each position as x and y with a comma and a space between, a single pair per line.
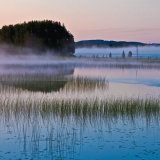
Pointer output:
128, 20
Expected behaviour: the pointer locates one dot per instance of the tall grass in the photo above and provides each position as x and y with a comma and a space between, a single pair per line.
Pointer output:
82, 98
44, 83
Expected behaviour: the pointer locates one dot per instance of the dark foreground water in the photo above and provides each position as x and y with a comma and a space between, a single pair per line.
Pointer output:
70, 138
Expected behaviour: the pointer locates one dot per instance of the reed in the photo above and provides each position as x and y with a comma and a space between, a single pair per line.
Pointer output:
43, 83
81, 98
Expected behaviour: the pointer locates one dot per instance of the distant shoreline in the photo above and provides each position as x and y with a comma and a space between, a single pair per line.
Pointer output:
111, 44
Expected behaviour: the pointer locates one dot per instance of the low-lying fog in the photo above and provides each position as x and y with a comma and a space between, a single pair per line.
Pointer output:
28, 61
143, 52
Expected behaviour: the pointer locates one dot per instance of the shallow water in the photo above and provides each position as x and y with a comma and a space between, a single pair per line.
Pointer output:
126, 82
41, 134
72, 139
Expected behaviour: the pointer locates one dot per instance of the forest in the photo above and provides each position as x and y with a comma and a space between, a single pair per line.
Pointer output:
41, 35
103, 44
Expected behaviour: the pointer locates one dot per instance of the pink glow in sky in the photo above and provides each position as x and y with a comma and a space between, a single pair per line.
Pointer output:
129, 20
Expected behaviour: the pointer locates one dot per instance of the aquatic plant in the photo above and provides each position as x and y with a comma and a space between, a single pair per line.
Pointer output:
81, 98
48, 83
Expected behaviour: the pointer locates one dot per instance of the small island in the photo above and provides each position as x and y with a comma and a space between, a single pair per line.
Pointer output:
39, 35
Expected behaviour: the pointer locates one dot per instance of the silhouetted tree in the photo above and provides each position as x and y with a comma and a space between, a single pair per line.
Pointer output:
110, 55
129, 54
45, 34
123, 55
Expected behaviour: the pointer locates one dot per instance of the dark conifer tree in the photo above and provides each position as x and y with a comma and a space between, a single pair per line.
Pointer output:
110, 55
45, 34
129, 54
123, 55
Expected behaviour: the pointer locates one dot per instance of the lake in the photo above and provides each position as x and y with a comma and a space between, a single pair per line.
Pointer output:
126, 82
80, 109
143, 52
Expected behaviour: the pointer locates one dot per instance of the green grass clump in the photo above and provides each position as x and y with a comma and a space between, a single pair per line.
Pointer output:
80, 97
69, 102
43, 83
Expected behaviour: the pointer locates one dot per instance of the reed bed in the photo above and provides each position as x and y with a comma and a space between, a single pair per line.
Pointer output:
43, 83
35, 83
81, 98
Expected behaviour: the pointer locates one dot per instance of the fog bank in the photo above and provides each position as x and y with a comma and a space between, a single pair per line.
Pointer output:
143, 52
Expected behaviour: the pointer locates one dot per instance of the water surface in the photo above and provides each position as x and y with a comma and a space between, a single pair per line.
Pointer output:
78, 125
143, 52
126, 82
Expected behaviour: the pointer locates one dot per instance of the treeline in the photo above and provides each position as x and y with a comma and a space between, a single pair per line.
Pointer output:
41, 35
102, 43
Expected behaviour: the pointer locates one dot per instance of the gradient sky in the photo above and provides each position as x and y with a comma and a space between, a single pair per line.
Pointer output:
129, 20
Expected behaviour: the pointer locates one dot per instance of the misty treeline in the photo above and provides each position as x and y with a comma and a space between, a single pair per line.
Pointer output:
41, 35
103, 44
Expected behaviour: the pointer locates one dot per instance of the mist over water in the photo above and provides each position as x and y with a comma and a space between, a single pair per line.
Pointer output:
29, 62
47, 118
143, 52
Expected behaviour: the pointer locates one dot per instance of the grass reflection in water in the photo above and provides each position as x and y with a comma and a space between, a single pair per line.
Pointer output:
80, 97
55, 121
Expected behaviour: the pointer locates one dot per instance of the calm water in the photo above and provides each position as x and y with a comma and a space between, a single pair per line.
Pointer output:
126, 82
51, 137
72, 139
143, 52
